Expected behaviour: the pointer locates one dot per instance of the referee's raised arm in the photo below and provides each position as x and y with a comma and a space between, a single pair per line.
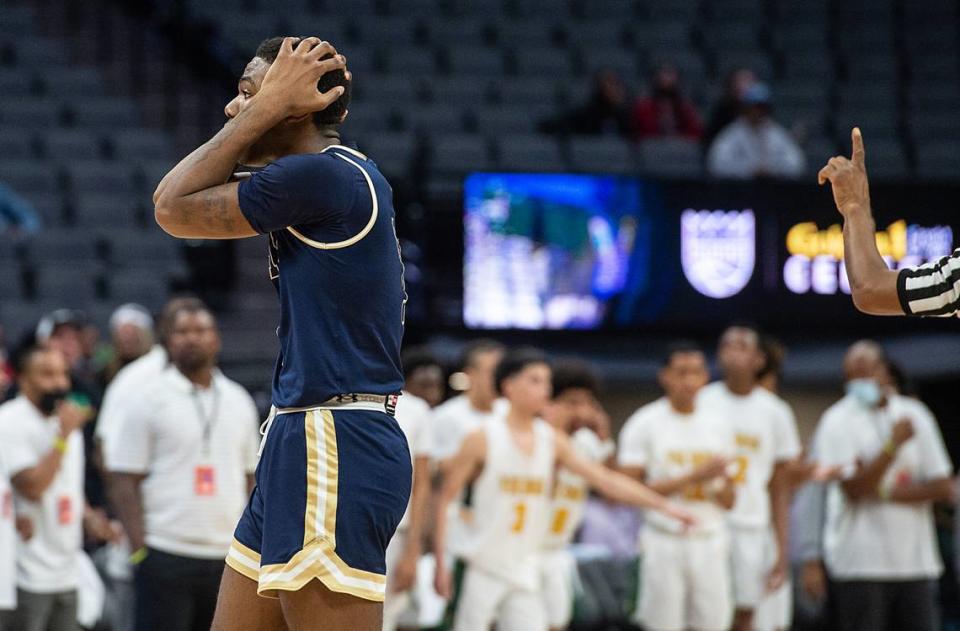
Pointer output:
925, 290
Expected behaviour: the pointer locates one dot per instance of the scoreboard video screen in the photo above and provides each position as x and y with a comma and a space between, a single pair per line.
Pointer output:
572, 251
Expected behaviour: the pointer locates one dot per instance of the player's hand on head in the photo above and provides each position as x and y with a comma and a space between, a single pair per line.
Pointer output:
290, 83
848, 177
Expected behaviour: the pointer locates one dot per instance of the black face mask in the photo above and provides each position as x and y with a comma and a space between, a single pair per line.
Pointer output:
50, 400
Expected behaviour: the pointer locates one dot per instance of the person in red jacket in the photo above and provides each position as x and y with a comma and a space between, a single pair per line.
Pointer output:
665, 111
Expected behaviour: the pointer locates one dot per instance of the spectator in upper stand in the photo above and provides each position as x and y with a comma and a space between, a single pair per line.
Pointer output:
666, 111
755, 145
16, 213
730, 105
606, 111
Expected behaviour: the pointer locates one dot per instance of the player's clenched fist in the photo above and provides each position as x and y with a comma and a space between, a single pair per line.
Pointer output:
291, 82
848, 177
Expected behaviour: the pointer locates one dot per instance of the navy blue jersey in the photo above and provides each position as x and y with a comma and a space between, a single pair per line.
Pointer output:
335, 261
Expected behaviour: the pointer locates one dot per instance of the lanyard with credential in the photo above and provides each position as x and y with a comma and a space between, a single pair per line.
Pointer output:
207, 420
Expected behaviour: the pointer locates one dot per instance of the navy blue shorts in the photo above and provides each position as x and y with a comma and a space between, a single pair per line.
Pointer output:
332, 485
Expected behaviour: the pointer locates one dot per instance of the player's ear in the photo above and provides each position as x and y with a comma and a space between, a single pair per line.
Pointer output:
343, 116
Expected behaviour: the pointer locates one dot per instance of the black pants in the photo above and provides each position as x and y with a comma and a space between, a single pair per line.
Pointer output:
175, 593
886, 605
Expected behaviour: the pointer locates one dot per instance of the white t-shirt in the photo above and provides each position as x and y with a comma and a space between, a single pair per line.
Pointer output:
765, 432
127, 386
456, 418
570, 491
413, 416
668, 444
48, 561
871, 539
511, 504
8, 542
195, 488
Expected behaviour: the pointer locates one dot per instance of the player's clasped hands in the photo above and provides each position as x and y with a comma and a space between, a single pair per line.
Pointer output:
291, 82
848, 177
713, 468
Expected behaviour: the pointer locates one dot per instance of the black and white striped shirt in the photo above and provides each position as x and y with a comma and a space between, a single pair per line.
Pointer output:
932, 289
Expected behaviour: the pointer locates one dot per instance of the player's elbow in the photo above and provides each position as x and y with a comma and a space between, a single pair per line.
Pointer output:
164, 215
872, 299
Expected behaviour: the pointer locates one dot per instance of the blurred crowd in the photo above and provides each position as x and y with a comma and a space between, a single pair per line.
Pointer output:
741, 138
125, 465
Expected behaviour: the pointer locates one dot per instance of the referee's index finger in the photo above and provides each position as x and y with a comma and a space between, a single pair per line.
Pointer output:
857, 141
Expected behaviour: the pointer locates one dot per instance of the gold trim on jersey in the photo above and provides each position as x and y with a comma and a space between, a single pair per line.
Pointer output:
366, 229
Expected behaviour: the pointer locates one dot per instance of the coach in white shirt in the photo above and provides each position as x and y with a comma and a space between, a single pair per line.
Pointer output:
43, 453
880, 545
182, 462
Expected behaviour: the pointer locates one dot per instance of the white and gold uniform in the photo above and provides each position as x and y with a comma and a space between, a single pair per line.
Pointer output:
685, 574
558, 567
511, 505
765, 431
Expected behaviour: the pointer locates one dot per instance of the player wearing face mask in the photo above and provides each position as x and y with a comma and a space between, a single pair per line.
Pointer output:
880, 546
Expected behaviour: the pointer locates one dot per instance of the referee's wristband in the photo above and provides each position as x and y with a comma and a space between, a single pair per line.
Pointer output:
138, 556
890, 447
60, 445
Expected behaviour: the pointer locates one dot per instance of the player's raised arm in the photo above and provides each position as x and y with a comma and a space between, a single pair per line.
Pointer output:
462, 468
874, 286
195, 200
614, 485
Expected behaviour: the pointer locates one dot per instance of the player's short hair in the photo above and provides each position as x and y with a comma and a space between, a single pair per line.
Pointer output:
515, 361
745, 325
478, 347
574, 374
417, 357
173, 308
268, 51
774, 352
681, 347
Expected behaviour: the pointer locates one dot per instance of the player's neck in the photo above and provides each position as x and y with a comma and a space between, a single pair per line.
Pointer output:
681, 407
740, 386
312, 141
520, 419
479, 403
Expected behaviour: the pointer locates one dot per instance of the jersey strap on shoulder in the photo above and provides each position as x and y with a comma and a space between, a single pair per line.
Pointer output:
375, 210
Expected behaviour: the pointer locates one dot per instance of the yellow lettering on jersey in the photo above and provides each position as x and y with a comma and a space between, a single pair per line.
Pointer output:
520, 512
514, 485
570, 492
559, 520
748, 441
740, 476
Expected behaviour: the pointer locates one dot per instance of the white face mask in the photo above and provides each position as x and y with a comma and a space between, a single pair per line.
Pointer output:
866, 391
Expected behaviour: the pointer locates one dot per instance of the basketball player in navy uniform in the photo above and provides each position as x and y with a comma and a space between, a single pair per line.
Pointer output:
334, 474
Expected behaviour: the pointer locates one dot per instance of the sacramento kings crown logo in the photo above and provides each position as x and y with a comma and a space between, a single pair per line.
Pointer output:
718, 250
